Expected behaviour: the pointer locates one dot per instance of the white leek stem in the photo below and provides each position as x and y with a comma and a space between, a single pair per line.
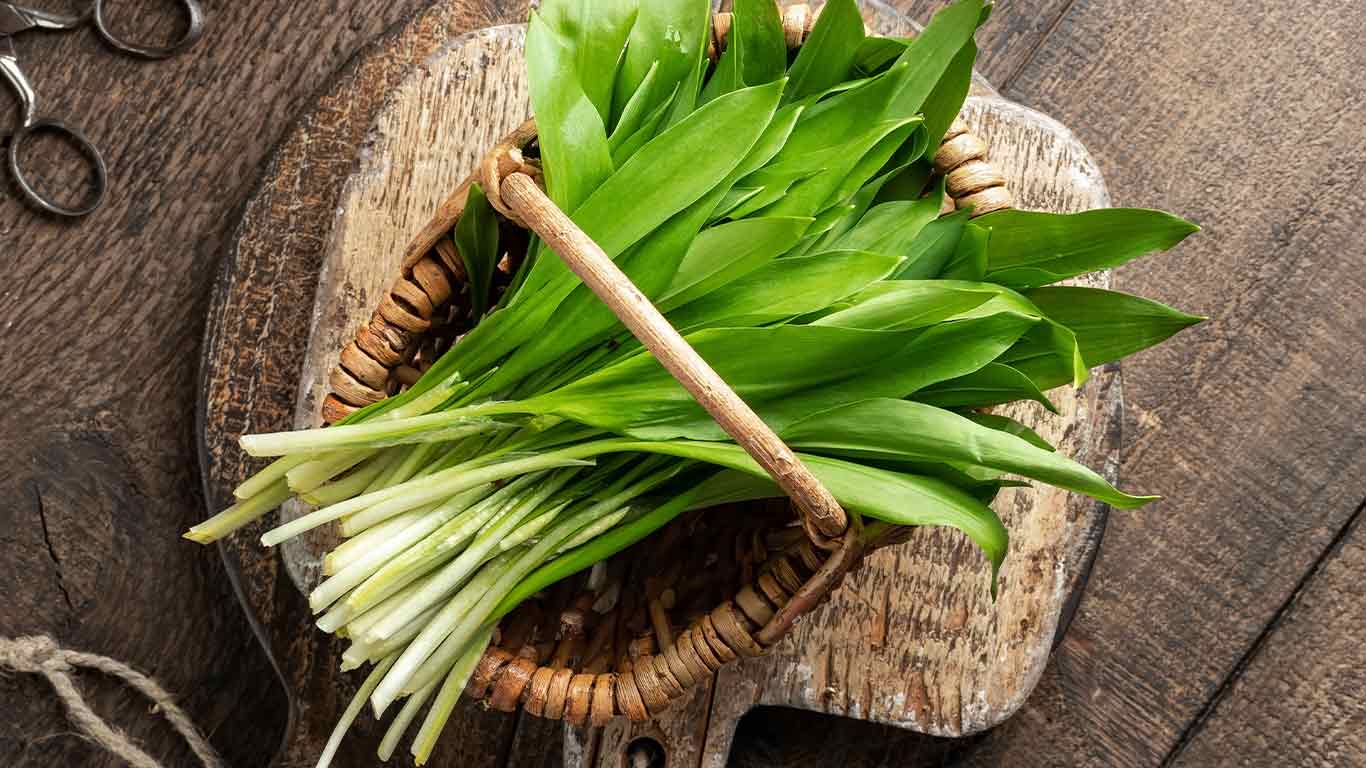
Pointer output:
349, 716
447, 698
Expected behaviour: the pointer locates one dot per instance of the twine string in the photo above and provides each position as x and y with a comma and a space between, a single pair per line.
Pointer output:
40, 655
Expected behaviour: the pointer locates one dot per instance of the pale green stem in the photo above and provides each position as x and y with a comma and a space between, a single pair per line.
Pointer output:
352, 710
267, 477
458, 628
307, 477
383, 550
358, 625
430, 427
382, 505
433, 552
355, 547
447, 698
435, 632
392, 458
405, 717
354, 483
240, 514
594, 530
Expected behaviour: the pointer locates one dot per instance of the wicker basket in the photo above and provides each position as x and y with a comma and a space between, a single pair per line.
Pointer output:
587, 651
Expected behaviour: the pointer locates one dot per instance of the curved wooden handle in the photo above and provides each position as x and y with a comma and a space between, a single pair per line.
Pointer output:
820, 512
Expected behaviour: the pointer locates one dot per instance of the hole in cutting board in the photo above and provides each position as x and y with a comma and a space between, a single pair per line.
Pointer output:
644, 752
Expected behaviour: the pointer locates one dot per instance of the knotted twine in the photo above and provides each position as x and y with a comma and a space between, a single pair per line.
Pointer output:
41, 655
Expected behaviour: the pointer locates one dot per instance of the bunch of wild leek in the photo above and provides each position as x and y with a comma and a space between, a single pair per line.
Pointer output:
781, 210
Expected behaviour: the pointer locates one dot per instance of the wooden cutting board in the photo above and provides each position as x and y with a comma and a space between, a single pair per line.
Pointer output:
912, 640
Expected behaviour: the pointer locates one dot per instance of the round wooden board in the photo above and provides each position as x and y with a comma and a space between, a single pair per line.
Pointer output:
912, 640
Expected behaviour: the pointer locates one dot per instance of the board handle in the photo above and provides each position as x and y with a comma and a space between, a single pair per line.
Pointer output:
822, 515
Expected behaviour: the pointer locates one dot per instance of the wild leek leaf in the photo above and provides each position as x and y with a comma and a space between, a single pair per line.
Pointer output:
969, 259
889, 228
670, 35
594, 34
931, 253
1030, 248
784, 288
1010, 426
904, 304
731, 250
756, 50
638, 397
903, 430
892, 497
826, 59
1108, 325
476, 239
993, 384
573, 138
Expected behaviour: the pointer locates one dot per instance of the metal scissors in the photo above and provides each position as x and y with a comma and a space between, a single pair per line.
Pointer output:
15, 19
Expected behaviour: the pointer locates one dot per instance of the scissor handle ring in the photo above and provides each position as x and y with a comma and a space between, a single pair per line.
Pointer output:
192, 35
98, 189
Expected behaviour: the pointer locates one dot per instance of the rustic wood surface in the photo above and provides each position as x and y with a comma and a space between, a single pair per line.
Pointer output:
1249, 425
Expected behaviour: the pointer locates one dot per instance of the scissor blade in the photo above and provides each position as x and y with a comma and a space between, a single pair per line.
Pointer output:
14, 20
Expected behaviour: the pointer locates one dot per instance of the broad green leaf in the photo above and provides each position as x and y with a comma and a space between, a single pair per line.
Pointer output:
622, 151
875, 54
890, 228
906, 304
784, 288
903, 430
896, 150
637, 109
573, 139
826, 59
932, 250
1031, 248
723, 253
1108, 325
844, 167
1049, 353
991, 385
670, 36
637, 396
909, 183
931, 53
946, 351
969, 260
763, 197
946, 100
595, 33
695, 155
756, 50
893, 497
867, 195
1011, 426
476, 239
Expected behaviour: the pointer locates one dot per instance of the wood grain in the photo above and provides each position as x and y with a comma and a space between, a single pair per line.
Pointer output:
1300, 699
102, 320
1250, 424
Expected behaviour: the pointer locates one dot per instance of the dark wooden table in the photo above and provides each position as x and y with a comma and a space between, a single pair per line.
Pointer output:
1221, 625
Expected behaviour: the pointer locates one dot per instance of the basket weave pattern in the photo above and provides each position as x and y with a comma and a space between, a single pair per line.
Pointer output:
598, 654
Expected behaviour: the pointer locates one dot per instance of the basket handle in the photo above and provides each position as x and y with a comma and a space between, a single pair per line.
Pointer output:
824, 519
